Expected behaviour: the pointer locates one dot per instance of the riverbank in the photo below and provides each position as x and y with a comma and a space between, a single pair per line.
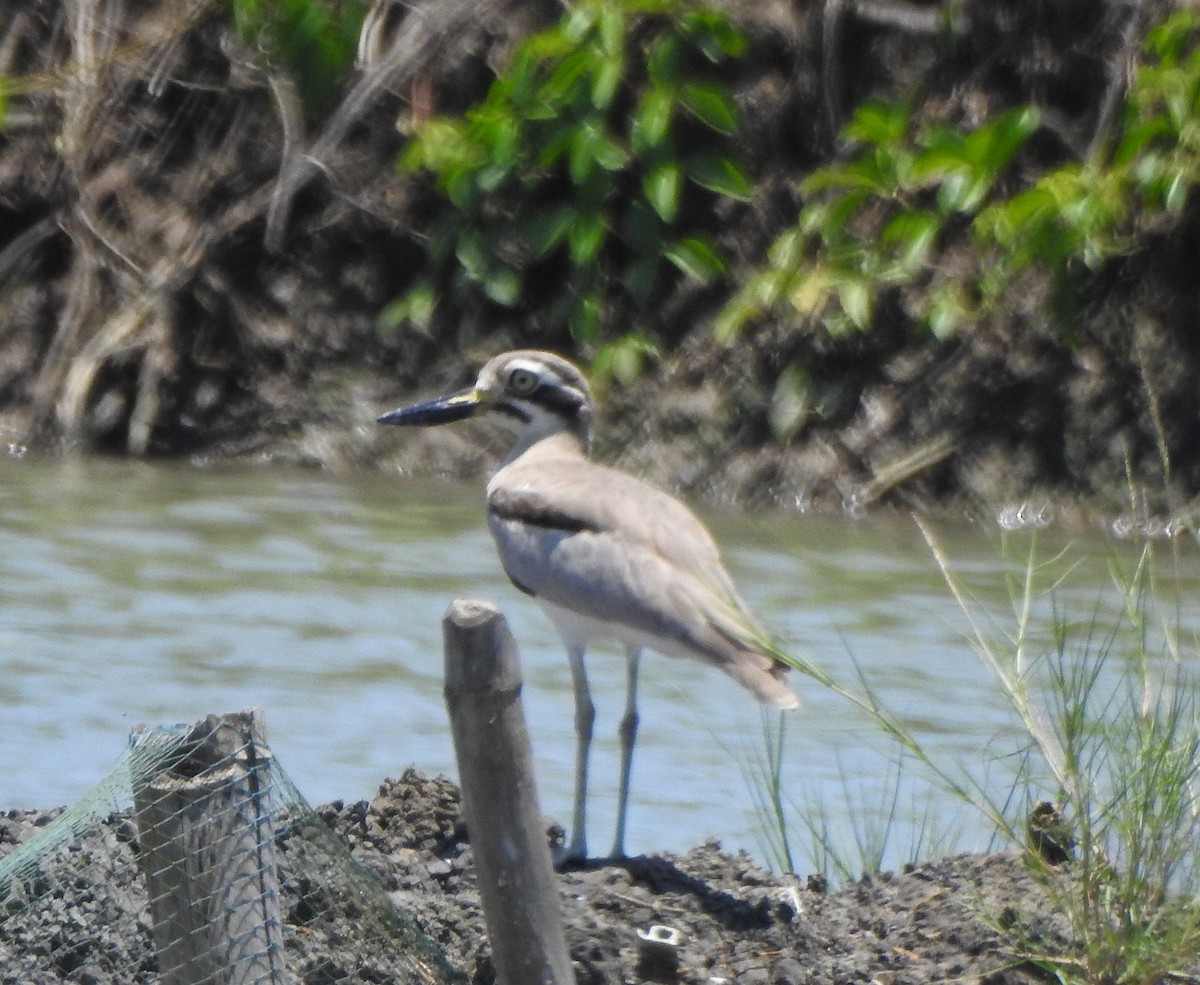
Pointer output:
968, 917
172, 289
736, 921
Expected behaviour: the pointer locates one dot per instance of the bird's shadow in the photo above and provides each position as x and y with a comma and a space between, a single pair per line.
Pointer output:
662, 875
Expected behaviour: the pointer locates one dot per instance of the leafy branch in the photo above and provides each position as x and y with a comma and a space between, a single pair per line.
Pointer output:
925, 212
589, 165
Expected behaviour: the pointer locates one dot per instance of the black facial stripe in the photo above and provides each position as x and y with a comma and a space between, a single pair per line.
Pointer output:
512, 410
562, 399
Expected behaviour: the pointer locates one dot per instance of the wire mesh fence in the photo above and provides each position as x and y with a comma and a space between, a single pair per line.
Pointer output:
197, 861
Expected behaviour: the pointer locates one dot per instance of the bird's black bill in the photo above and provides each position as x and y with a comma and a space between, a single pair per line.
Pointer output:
442, 410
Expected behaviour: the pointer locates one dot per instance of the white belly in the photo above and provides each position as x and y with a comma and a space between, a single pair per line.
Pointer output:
581, 630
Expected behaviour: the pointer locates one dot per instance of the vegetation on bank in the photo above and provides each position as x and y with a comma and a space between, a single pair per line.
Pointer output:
313, 43
597, 162
873, 236
538, 165
576, 147
1100, 789
913, 196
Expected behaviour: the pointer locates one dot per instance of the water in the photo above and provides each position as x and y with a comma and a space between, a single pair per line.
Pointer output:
134, 593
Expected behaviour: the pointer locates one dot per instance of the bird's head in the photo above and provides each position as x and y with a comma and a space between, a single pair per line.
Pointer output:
532, 393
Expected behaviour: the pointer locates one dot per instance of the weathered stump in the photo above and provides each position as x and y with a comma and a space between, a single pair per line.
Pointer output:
495, 764
208, 858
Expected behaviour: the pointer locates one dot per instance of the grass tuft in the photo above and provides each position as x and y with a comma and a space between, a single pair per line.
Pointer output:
1101, 783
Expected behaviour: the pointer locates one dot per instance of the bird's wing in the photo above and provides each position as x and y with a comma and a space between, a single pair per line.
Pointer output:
633, 556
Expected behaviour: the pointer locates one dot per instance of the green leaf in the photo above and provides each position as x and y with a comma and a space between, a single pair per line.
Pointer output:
995, 144
609, 154
579, 20
516, 86
831, 219
442, 144
651, 120
502, 285
417, 306
585, 319
864, 174
612, 28
640, 277
732, 319
715, 35
963, 191
711, 105
911, 236
548, 47
624, 358
587, 235
856, 300
558, 138
546, 228
661, 187
506, 142
788, 249
719, 174
462, 187
947, 312
313, 41
539, 109
472, 254
1175, 197
665, 61
879, 123
936, 164
966, 166
697, 259
583, 158
606, 81
565, 81
1139, 135
491, 177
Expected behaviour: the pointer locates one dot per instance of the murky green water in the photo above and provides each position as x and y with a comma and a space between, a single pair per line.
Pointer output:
133, 593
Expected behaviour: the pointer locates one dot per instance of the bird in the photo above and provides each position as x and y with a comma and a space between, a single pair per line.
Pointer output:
606, 555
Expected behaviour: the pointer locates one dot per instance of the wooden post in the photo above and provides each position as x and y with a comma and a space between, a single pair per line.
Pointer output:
208, 858
495, 765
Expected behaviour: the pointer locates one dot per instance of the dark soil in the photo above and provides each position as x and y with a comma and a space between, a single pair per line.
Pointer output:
975, 918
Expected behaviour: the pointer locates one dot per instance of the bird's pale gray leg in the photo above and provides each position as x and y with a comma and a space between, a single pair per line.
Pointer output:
585, 716
628, 735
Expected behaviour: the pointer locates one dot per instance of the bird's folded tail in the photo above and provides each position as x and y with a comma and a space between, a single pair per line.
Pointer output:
766, 684
756, 662
754, 665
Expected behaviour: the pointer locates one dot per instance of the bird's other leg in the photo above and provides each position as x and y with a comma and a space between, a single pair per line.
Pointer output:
585, 716
628, 735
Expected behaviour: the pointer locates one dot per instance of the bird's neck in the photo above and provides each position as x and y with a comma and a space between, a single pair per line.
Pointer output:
555, 444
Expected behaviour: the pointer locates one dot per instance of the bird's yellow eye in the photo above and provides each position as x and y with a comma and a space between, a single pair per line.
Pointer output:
522, 382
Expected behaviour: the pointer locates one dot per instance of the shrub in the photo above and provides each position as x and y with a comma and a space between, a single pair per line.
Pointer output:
587, 177
924, 210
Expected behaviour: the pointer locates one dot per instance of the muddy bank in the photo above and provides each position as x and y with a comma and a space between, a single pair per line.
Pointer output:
177, 278
969, 917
